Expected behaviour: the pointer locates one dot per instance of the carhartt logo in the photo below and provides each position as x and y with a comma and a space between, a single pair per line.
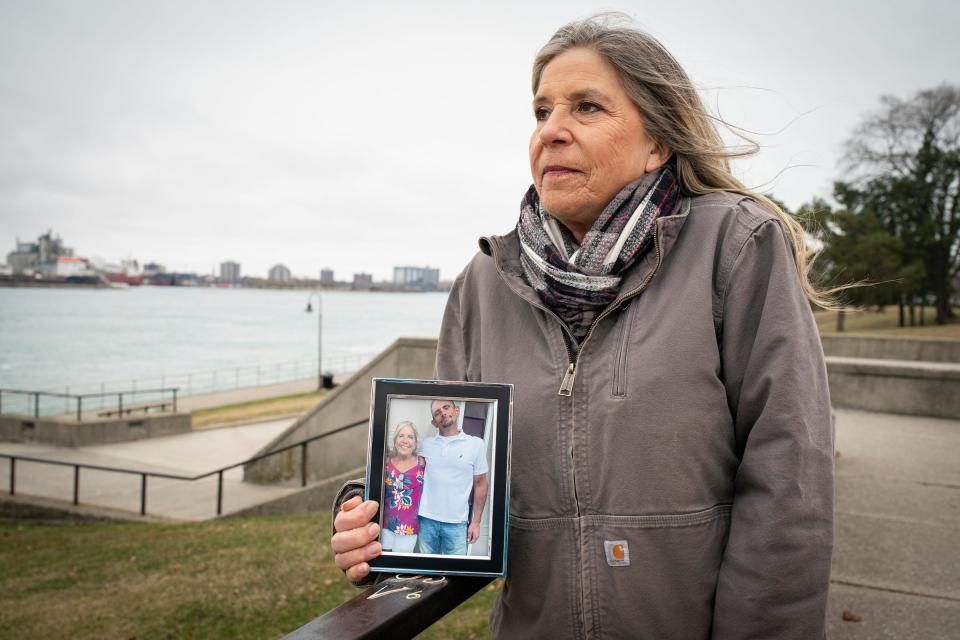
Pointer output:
618, 553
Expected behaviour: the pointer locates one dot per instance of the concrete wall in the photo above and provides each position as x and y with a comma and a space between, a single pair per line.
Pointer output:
350, 402
912, 388
70, 433
892, 348
314, 498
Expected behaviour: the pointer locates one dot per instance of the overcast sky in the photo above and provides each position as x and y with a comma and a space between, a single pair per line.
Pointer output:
365, 135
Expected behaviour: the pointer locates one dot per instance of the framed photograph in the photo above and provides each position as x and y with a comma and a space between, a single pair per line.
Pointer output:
438, 462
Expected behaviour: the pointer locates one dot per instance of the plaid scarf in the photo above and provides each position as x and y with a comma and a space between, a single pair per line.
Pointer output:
578, 282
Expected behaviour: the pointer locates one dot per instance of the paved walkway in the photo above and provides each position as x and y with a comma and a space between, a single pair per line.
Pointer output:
897, 555
185, 454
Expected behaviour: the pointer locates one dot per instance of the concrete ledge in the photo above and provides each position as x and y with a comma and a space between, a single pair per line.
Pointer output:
895, 386
317, 498
65, 432
891, 348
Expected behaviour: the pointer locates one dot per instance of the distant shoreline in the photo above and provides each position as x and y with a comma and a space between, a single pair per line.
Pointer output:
50, 285
26, 284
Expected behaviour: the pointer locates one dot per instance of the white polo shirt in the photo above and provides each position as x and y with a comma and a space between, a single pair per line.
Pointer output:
452, 462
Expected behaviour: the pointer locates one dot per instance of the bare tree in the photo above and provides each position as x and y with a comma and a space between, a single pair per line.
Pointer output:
906, 159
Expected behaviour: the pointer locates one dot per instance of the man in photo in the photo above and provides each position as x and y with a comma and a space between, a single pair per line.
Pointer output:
456, 464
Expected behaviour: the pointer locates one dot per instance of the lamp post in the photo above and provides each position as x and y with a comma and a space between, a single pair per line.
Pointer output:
319, 337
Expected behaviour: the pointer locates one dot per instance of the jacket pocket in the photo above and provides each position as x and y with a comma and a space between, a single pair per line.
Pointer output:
623, 342
540, 597
653, 576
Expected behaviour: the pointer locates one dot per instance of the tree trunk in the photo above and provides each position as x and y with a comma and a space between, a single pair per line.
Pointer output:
840, 318
901, 310
913, 313
923, 308
941, 288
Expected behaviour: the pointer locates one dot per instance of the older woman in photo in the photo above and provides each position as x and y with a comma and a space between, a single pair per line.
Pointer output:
403, 487
672, 451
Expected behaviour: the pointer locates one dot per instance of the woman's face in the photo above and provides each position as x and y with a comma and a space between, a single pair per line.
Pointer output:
405, 442
590, 140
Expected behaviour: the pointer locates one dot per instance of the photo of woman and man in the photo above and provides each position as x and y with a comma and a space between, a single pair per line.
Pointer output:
436, 477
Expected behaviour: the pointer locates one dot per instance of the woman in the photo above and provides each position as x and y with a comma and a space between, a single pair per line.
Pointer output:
403, 486
672, 448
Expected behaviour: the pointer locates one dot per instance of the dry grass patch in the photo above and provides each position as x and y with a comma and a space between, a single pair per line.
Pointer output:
256, 409
884, 323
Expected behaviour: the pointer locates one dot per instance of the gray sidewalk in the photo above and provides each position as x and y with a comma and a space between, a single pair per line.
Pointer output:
897, 556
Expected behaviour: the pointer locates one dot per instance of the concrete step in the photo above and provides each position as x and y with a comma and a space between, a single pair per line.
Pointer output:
908, 387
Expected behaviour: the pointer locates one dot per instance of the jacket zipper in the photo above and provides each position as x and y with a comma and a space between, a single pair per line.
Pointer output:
566, 385
569, 377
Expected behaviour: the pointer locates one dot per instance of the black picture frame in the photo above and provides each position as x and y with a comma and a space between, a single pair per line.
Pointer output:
393, 399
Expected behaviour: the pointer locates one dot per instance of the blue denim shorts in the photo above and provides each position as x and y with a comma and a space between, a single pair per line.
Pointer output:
442, 537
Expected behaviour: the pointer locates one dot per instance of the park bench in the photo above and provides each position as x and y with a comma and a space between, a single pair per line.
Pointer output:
146, 408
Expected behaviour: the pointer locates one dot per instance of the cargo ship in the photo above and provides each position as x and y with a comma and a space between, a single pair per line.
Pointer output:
127, 272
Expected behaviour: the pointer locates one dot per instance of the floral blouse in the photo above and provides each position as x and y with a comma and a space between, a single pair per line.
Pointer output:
401, 495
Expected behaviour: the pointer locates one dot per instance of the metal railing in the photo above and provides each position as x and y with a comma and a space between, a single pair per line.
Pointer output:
227, 378
120, 410
77, 466
202, 382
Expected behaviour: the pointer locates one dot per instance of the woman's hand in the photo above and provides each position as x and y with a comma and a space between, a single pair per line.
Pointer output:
355, 541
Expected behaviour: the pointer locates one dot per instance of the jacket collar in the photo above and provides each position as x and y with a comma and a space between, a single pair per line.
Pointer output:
505, 251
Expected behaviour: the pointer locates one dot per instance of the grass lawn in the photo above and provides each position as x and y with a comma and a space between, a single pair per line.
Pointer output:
266, 408
244, 578
885, 324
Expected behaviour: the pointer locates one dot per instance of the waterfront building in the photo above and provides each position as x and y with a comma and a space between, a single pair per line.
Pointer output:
423, 278
230, 272
326, 277
38, 257
23, 259
362, 281
279, 273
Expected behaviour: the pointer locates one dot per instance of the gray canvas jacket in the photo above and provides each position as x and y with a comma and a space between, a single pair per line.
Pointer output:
674, 479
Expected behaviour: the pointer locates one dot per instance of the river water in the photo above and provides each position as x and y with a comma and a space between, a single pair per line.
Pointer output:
87, 340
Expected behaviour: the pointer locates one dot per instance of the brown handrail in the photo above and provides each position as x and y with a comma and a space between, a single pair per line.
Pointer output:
399, 607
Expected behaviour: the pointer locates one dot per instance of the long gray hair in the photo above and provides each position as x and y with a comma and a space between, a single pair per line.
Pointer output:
674, 116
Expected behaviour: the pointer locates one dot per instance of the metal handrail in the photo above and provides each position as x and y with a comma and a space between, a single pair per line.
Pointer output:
80, 396
225, 378
173, 476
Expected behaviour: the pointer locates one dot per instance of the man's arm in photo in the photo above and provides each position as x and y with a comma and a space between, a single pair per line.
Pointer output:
479, 499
